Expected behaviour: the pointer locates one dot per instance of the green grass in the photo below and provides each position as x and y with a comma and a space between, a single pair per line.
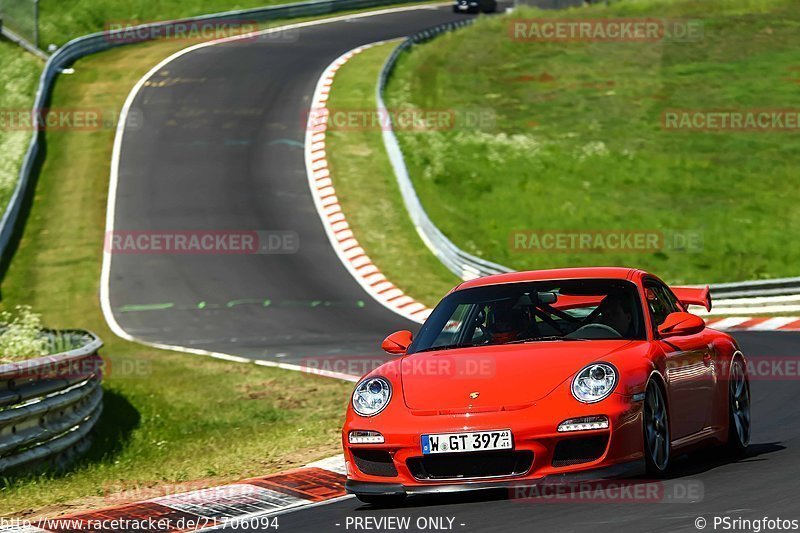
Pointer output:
161, 410
367, 188
578, 144
17, 91
62, 21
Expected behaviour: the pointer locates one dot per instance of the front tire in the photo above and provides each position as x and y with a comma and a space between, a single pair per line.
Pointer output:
382, 500
656, 431
738, 408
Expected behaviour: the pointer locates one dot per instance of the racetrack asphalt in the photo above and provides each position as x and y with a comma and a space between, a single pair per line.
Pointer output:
220, 148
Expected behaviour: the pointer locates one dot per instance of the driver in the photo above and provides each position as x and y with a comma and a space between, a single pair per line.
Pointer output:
505, 323
614, 313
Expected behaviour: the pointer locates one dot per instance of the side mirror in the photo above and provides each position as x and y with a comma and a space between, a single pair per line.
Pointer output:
681, 324
397, 343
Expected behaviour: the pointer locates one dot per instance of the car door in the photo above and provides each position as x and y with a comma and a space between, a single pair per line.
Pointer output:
689, 371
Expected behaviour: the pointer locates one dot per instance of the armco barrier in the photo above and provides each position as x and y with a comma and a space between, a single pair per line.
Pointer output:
468, 266
764, 287
97, 42
464, 265
48, 405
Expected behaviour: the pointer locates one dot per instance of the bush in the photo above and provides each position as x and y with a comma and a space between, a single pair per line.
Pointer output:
21, 335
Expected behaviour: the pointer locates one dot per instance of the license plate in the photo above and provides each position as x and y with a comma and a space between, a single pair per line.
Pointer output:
477, 441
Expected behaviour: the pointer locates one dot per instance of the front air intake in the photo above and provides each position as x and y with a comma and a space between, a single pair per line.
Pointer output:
374, 462
579, 450
475, 465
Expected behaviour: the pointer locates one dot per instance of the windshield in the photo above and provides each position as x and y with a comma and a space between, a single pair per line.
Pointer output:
568, 310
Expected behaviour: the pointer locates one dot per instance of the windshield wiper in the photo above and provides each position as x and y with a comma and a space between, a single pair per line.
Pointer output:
549, 338
522, 341
447, 347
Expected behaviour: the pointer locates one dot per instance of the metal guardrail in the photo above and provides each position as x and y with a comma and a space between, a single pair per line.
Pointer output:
48, 405
98, 42
554, 4
468, 266
463, 264
757, 288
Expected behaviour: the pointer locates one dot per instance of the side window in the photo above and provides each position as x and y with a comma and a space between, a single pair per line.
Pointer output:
660, 302
673, 302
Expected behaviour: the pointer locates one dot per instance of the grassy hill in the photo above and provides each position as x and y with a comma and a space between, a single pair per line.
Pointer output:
20, 75
578, 141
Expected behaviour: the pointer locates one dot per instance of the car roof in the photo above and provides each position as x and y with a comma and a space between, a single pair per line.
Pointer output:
552, 274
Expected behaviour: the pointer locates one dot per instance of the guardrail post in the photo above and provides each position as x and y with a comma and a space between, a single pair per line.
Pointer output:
36, 24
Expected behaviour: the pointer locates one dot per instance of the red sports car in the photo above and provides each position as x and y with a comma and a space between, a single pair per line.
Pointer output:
563, 374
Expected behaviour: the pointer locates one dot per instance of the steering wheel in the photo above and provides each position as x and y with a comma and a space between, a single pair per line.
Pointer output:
590, 318
600, 327
480, 333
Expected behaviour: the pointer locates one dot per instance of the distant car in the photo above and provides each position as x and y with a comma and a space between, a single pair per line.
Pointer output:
473, 6
514, 378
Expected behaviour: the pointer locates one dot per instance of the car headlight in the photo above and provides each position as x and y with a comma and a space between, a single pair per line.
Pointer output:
594, 382
372, 396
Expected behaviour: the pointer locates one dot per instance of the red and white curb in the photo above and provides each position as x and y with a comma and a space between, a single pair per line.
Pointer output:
321, 182
748, 323
241, 504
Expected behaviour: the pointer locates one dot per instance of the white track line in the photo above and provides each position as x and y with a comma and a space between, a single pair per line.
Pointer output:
105, 289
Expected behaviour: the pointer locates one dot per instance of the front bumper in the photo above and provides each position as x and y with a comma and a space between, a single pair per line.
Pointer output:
534, 431
621, 470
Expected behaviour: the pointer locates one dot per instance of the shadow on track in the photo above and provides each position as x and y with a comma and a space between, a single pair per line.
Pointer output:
706, 460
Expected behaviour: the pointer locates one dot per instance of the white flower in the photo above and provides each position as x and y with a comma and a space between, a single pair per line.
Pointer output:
21, 335
593, 148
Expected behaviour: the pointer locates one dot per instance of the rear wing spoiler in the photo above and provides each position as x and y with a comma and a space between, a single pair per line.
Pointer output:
693, 296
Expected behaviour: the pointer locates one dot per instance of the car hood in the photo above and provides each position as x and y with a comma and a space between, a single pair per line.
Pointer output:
504, 377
